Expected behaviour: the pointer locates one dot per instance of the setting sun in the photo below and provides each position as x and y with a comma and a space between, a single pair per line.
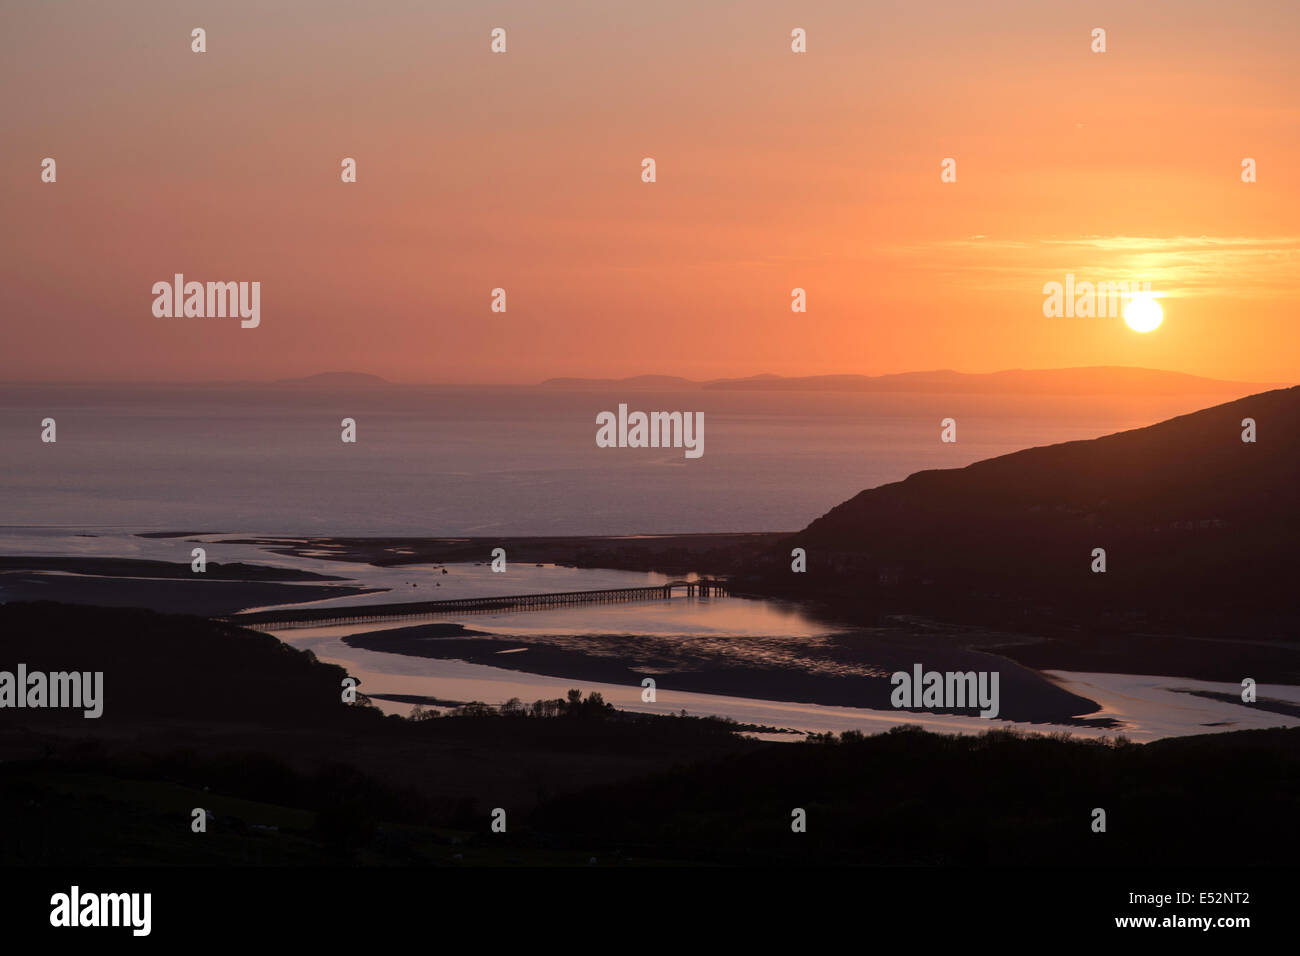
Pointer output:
1143, 313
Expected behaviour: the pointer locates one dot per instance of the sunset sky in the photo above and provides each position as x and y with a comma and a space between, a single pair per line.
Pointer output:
775, 170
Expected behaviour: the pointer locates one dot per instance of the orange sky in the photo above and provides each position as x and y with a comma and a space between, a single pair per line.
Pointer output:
522, 170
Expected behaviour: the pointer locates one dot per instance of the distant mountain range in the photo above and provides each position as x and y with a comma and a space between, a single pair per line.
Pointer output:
1063, 381
1058, 381
662, 382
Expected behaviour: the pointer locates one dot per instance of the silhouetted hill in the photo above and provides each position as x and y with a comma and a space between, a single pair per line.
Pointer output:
164, 666
1191, 518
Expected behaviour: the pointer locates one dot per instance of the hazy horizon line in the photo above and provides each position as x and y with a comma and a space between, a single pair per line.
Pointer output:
381, 381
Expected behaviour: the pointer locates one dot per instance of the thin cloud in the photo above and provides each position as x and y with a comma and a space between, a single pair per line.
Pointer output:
1235, 266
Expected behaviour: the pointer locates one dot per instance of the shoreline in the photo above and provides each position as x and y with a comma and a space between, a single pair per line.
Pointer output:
839, 671
633, 552
233, 587
846, 670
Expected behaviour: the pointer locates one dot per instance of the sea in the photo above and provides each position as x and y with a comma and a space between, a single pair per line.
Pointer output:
491, 460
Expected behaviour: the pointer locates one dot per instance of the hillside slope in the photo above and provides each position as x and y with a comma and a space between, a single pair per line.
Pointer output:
1188, 514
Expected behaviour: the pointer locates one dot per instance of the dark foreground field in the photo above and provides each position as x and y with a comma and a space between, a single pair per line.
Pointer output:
206, 715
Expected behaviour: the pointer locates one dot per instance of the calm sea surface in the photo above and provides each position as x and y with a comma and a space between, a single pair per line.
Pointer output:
492, 460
